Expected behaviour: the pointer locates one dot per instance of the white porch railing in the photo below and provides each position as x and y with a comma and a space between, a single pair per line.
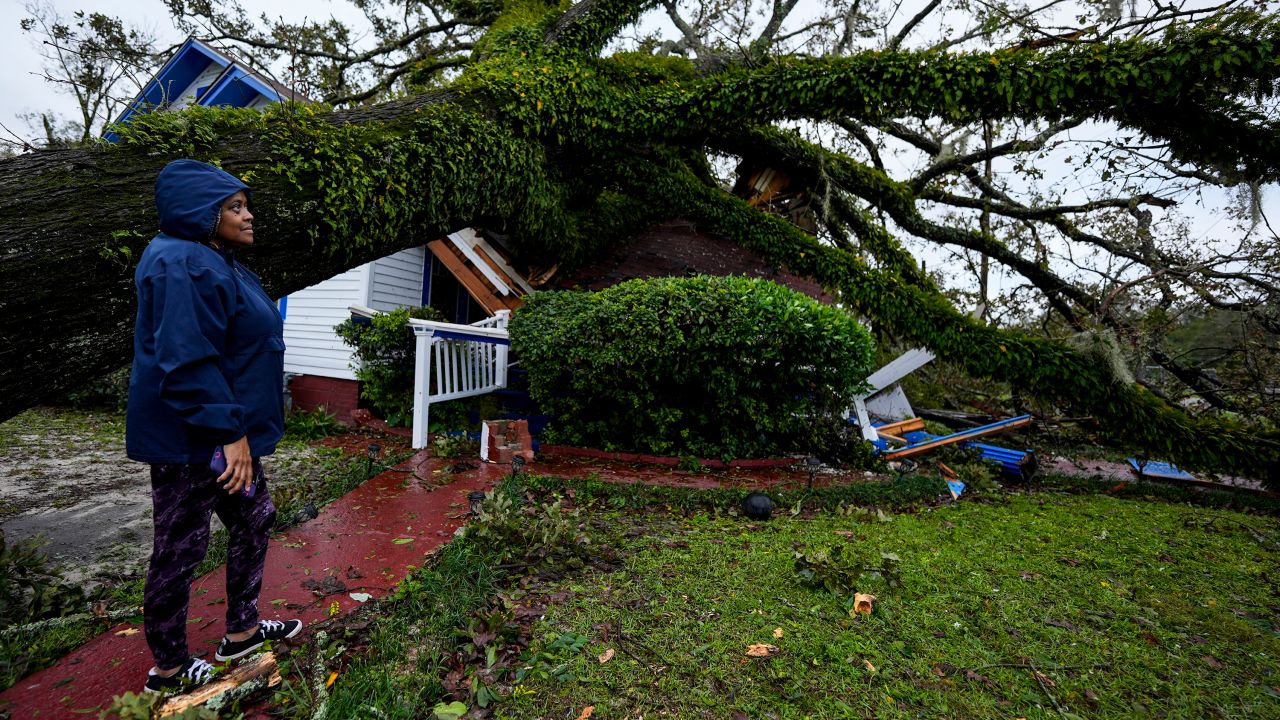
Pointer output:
455, 361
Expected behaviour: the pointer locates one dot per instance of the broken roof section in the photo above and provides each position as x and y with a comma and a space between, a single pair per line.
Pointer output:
482, 269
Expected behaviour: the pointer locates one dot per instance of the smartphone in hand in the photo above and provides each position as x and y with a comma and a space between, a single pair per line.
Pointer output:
218, 464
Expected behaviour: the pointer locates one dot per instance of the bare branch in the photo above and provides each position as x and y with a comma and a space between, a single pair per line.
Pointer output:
896, 42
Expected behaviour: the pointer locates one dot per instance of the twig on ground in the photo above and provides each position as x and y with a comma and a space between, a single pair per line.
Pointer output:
1035, 673
1030, 666
67, 620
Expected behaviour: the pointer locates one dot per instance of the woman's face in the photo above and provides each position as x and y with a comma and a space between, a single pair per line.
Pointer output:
235, 225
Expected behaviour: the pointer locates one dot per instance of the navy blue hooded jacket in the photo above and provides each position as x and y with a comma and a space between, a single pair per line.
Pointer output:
208, 344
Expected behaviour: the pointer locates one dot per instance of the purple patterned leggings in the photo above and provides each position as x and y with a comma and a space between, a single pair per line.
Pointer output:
183, 497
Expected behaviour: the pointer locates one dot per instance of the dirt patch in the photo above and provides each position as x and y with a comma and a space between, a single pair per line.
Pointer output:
64, 477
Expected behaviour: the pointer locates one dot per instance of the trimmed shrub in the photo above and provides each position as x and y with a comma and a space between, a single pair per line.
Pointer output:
703, 366
384, 359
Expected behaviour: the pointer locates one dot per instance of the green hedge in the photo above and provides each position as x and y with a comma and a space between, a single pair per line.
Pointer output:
702, 366
384, 350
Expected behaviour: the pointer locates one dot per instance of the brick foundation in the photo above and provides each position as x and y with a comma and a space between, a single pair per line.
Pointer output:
337, 396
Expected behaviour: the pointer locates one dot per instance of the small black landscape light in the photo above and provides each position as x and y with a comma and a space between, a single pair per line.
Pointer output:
371, 455
475, 499
1141, 461
813, 464
517, 465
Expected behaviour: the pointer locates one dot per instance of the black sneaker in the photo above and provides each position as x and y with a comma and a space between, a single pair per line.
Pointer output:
267, 630
194, 673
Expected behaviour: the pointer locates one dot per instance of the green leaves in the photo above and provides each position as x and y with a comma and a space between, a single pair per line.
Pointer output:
701, 366
384, 352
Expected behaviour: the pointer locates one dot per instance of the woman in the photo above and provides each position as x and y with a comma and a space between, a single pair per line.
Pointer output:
207, 376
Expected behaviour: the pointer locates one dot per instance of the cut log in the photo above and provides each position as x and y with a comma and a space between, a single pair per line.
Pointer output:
257, 673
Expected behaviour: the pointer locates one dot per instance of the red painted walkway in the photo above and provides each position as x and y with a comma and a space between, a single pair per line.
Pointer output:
364, 542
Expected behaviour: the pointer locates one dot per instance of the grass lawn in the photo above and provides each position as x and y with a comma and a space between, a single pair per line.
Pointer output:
1104, 607
1042, 605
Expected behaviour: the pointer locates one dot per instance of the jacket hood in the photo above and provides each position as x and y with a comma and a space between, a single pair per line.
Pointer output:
189, 196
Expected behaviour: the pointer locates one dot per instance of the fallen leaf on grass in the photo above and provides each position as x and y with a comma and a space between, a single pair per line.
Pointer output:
332, 677
606, 656
862, 603
869, 666
1212, 662
1045, 679
777, 633
1090, 696
1064, 624
586, 712
761, 650
845, 533
976, 677
1069, 561
127, 632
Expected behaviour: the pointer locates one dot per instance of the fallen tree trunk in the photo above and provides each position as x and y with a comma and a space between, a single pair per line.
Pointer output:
74, 222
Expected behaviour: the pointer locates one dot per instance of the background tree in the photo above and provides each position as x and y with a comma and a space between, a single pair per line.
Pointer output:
99, 60
565, 147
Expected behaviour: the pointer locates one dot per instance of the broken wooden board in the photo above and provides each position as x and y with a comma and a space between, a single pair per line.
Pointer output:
257, 673
962, 436
902, 426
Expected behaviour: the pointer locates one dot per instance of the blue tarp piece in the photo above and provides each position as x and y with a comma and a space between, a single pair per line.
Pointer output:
956, 487
1157, 469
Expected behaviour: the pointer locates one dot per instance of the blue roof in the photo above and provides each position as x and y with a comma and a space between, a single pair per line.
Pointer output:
236, 86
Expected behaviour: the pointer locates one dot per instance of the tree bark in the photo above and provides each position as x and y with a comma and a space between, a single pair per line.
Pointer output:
72, 226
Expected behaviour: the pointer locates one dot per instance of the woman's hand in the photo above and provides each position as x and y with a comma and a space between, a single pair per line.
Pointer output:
239, 472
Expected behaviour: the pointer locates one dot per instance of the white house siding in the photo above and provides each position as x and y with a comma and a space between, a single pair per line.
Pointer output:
397, 280
310, 315
312, 347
